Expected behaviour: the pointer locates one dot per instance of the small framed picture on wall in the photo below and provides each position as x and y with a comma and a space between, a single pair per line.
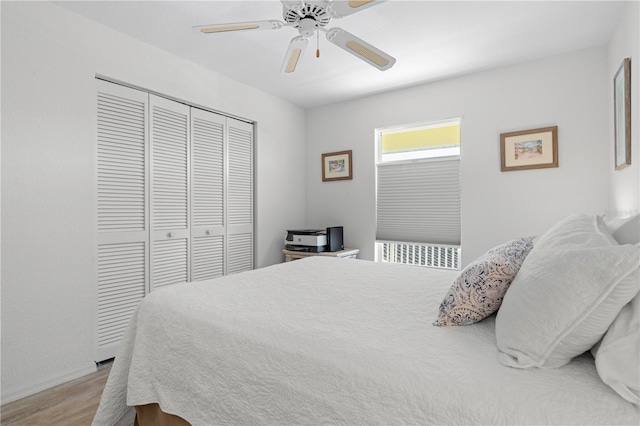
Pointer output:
337, 166
529, 149
622, 115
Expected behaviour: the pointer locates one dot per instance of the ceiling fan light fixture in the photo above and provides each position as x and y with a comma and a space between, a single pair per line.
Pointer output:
307, 27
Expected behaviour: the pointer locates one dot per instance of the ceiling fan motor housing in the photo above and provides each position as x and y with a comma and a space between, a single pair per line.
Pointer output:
306, 15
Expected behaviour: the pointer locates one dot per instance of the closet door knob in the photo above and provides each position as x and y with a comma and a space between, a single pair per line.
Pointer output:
208, 232
171, 234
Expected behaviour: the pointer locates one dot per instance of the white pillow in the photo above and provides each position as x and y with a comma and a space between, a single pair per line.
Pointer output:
570, 288
624, 230
577, 231
618, 353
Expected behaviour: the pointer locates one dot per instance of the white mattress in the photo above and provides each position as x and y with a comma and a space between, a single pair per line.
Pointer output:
335, 341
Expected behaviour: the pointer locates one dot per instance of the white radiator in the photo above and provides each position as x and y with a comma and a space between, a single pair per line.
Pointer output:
433, 256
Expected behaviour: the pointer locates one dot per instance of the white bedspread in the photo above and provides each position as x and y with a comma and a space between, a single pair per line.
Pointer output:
335, 341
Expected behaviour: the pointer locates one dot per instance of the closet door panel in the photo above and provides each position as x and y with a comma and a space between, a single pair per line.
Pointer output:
169, 194
207, 257
121, 286
240, 253
122, 231
240, 199
121, 162
207, 194
240, 196
171, 259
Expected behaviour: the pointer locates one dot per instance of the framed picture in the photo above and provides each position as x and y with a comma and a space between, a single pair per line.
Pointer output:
622, 114
336, 166
529, 149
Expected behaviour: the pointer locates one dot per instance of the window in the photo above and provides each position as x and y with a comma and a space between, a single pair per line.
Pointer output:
418, 194
426, 141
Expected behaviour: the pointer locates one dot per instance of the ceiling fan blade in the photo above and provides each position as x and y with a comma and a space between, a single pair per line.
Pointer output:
340, 8
294, 53
239, 26
360, 48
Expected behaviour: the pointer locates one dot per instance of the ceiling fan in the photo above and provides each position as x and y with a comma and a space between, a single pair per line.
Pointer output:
310, 17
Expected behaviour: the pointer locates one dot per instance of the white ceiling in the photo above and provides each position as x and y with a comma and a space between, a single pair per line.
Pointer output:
431, 40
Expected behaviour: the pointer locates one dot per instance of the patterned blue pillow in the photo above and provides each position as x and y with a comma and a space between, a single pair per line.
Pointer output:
479, 289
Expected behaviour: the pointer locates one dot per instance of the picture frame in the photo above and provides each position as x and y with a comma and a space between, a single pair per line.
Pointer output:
622, 115
337, 166
529, 149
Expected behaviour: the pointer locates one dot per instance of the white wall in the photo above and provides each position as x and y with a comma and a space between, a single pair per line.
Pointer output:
50, 58
625, 43
569, 91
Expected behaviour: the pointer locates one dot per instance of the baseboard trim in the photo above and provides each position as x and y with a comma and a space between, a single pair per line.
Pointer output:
22, 393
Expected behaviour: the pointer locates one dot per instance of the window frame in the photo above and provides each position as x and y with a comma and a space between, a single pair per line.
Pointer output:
379, 242
412, 126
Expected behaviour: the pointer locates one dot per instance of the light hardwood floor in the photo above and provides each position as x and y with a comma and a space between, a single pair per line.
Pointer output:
70, 404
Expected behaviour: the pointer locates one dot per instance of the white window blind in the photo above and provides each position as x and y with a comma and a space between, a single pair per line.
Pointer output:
419, 201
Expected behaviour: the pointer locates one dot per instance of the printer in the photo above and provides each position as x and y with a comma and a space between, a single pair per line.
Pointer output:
315, 240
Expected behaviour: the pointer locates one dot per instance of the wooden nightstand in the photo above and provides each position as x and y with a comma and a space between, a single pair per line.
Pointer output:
348, 253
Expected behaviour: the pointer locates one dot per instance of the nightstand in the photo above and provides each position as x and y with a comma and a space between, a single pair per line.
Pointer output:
348, 253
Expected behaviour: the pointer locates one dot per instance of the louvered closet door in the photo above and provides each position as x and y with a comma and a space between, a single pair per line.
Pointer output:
239, 196
169, 153
207, 195
122, 232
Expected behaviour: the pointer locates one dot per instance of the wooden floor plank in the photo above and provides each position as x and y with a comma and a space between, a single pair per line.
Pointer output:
71, 404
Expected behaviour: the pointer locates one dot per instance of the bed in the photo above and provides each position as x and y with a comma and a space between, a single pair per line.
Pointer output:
340, 341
